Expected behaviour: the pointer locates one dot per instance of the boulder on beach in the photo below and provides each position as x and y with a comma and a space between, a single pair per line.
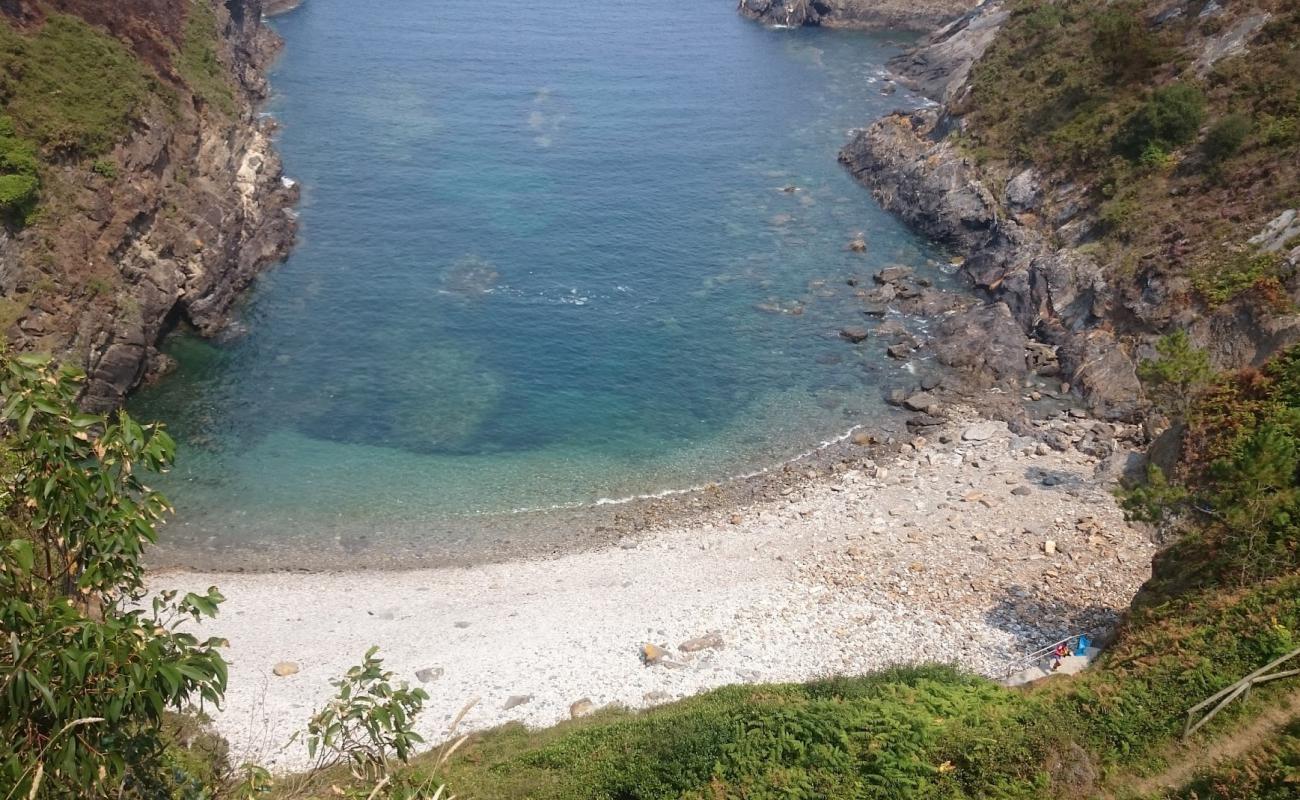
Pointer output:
709, 641
980, 431
284, 669
921, 401
516, 700
428, 674
652, 654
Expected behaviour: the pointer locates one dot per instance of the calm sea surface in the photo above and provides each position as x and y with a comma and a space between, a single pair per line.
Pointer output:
551, 254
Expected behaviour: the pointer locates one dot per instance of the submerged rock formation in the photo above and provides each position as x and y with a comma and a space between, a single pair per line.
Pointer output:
172, 223
867, 14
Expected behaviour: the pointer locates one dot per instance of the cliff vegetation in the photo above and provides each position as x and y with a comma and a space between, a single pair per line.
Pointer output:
138, 190
1181, 122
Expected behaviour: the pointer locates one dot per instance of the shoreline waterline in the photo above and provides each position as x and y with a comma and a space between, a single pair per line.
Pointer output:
935, 555
522, 534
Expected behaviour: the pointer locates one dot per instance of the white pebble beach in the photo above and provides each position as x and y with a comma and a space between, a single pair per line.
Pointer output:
930, 557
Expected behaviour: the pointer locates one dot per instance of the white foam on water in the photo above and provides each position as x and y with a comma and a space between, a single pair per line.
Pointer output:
615, 501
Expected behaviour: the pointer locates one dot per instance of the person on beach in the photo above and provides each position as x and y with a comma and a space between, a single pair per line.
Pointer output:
1059, 653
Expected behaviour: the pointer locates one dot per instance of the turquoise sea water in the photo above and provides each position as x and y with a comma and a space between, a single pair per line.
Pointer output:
549, 256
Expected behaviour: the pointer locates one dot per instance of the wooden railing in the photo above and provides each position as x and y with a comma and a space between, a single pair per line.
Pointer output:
1239, 689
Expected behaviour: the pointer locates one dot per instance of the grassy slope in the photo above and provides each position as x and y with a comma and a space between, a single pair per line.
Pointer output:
1270, 772
70, 92
69, 87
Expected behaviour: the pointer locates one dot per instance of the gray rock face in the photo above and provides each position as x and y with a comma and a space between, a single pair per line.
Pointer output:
1101, 369
1281, 230
1023, 191
920, 177
939, 65
1061, 294
1231, 42
865, 14
984, 341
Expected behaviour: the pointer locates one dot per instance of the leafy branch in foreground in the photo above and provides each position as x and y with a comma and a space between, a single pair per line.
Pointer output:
368, 722
88, 664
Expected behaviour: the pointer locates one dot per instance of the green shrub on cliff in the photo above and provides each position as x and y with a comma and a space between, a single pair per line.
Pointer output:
1123, 42
90, 664
1169, 118
1226, 136
19, 173
1177, 375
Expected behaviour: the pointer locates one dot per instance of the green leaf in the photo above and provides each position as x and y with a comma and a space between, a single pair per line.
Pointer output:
22, 553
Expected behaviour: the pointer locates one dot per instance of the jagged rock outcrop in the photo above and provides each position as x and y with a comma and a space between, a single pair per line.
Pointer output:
273, 8
1059, 295
194, 206
939, 65
866, 14
1025, 237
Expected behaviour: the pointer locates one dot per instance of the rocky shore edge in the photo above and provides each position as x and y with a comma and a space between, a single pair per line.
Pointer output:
1023, 238
913, 15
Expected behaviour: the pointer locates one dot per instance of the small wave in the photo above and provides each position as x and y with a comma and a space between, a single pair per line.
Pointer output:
662, 493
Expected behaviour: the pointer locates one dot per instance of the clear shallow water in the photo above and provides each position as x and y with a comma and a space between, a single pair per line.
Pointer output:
548, 257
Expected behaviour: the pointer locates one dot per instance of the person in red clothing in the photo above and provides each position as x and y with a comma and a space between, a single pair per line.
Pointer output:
1059, 653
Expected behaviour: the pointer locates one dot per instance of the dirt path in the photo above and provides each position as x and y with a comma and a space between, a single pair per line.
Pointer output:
1186, 760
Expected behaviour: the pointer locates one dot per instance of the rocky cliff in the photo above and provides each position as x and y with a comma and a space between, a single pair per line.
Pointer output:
1028, 171
868, 14
165, 209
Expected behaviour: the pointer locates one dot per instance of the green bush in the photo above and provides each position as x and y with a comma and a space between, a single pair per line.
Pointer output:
1170, 117
19, 173
1179, 373
1280, 131
105, 168
1226, 136
1124, 43
17, 193
91, 664
1224, 280
367, 723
